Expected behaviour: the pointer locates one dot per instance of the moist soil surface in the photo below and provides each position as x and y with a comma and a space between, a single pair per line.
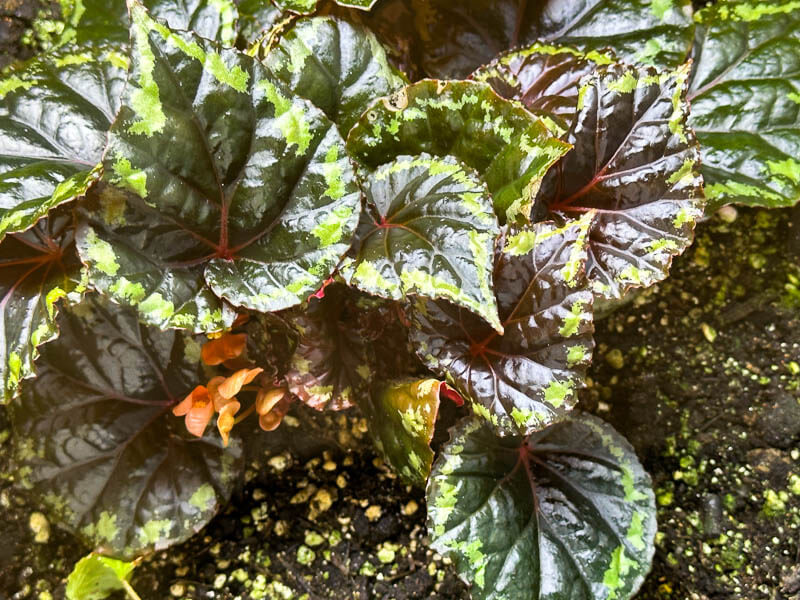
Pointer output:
701, 373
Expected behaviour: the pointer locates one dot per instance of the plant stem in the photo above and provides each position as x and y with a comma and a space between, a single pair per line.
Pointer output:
130, 591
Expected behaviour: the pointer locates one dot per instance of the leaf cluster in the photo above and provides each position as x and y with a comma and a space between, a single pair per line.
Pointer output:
218, 209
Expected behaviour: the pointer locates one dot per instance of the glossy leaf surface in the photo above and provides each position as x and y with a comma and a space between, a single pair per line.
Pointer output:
107, 21
565, 514
38, 270
96, 577
428, 229
233, 189
545, 78
330, 365
458, 37
341, 68
306, 7
55, 112
745, 95
402, 417
509, 148
526, 378
636, 164
256, 17
96, 438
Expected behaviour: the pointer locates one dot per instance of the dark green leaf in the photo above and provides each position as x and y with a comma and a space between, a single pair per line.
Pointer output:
509, 147
54, 114
306, 7
402, 416
745, 95
37, 269
330, 367
96, 438
526, 378
458, 37
107, 21
341, 68
235, 190
271, 343
545, 78
636, 164
96, 577
428, 229
257, 17
567, 514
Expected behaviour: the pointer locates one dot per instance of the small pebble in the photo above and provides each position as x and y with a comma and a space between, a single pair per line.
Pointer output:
728, 214
40, 527
374, 512
615, 358
410, 508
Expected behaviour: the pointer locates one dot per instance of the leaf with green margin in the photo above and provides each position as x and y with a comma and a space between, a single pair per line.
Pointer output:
567, 513
97, 441
330, 367
341, 68
55, 111
428, 229
38, 268
509, 147
745, 95
459, 37
401, 416
96, 577
236, 190
107, 21
636, 164
526, 378
545, 78
307, 7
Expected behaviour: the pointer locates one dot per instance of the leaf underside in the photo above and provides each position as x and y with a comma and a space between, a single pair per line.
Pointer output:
636, 164
509, 147
224, 190
428, 229
526, 378
97, 440
745, 95
55, 111
38, 268
567, 513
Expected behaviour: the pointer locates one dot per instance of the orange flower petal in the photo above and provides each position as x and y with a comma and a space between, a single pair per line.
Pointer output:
268, 398
233, 384
225, 348
271, 420
186, 404
198, 417
213, 393
226, 420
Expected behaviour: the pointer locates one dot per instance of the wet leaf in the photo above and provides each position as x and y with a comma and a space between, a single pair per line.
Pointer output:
330, 366
566, 513
39, 269
428, 229
526, 378
458, 37
545, 78
402, 416
107, 21
636, 164
341, 68
55, 111
96, 439
509, 148
233, 190
96, 577
745, 95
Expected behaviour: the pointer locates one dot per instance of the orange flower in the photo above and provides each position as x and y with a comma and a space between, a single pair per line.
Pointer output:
226, 420
268, 398
198, 409
213, 392
233, 384
229, 346
271, 406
